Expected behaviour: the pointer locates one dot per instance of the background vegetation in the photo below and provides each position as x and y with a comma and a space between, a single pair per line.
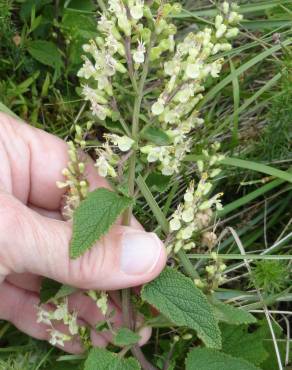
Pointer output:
249, 111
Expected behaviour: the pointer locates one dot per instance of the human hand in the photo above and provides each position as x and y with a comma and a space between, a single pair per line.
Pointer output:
34, 240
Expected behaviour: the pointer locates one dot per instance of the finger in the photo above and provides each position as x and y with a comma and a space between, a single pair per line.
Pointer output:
25, 281
32, 165
32, 243
20, 307
56, 215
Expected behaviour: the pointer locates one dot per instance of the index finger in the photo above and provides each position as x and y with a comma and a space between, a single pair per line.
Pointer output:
35, 162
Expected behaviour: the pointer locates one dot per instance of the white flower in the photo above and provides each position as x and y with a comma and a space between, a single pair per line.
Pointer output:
234, 18
43, 316
102, 303
116, 6
225, 7
105, 25
139, 54
136, 10
61, 312
99, 110
87, 70
188, 215
232, 32
189, 246
104, 168
93, 95
58, 338
174, 224
193, 70
124, 143
172, 67
158, 107
221, 31
72, 324
187, 232
188, 197
218, 21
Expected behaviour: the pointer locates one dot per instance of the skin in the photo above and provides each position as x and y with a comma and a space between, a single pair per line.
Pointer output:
34, 239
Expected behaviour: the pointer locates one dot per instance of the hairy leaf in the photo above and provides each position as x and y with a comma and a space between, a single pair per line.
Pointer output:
52, 289
176, 297
93, 218
65, 291
231, 315
210, 359
156, 136
126, 337
158, 182
101, 359
49, 288
46, 53
238, 342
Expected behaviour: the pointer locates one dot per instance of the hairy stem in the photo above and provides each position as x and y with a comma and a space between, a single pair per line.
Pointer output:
126, 293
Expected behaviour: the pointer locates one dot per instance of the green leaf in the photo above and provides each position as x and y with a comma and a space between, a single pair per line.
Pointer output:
210, 359
155, 136
101, 359
93, 218
52, 289
49, 289
176, 297
65, 291
238, 342
231, 315
126, 337
158, 182
46, 53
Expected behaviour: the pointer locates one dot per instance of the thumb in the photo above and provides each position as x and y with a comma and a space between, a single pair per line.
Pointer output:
29, 242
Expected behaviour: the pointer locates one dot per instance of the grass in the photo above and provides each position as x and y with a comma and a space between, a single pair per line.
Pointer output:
248, 111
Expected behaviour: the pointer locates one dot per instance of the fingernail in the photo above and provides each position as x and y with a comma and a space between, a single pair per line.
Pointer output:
140, 252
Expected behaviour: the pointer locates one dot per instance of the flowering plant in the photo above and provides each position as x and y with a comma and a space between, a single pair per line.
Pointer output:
144, 85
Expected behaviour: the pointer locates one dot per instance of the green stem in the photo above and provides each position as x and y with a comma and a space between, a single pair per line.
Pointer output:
187, 265
126, 293
102, 6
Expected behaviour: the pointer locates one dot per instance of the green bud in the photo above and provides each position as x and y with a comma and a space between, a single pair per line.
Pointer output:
147, 12
164, 45
145, 35
171, 29
120, 67
176, 9
155, 53
161, 26
167, 8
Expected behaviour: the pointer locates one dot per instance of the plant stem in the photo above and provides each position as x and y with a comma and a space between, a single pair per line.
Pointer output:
102, 6
126, 293
187, 265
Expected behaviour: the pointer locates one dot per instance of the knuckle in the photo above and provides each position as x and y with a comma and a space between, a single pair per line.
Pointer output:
11, 215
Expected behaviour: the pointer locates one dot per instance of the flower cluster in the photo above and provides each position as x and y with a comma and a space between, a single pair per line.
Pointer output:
61, 314
215, 274
196, 212
107, 159
75, 183
193, 61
